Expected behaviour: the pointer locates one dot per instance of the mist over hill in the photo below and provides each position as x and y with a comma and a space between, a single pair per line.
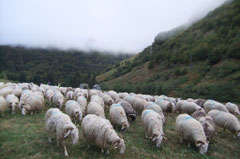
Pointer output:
202, 61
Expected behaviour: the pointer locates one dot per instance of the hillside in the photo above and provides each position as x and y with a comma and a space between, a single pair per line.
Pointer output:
70, 68
201, 61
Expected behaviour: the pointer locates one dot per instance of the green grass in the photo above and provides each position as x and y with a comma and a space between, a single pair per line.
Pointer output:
25, 137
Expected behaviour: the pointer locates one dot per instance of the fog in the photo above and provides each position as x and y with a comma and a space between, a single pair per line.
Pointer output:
104, 25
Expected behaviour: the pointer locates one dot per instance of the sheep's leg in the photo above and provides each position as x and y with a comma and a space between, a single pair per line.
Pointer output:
181, 138
102, 150
49, 139
107, 151
31, 112
146, 136
65, 149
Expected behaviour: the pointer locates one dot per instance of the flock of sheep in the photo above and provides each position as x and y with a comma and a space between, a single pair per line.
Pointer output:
86, 109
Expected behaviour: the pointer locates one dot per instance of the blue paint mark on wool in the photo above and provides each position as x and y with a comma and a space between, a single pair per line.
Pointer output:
116, 105
146, 112
189, 117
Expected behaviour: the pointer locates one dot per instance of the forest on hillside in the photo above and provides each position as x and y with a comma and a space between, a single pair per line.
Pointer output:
70, 68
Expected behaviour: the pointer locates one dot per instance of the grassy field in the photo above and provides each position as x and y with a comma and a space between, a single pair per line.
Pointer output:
25, 137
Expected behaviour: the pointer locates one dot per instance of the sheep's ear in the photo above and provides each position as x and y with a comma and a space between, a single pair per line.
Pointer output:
116, 142
198, 143
154, 137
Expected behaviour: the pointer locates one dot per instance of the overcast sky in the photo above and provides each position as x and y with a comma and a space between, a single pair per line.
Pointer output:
112, 25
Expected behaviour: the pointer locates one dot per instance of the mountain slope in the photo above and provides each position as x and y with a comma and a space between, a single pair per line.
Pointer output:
70, 68
202, 61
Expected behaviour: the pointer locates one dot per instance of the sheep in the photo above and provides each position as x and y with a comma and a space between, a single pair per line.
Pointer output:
49, 95
12, 102
60, 126
17, 91
82, 101
97, 99
200, 102
94, 92
226, 121
107, 99
6, 90
58, 99
118, 117
73, 109
122, 95
33, 103
95, 108
153, 106
2, 85
211, 105
232, 108
138, 104
3, 105
187, 107
165, 105
114, 95
130, 112
69, 95
191, 130
98, 131
129, 99
24, 97
153, 125
207, 123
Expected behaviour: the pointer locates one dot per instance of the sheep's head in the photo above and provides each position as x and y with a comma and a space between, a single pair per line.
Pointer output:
78, 114
132, 116
120, 145
25, 110
202, 146
125, 126
73, 132
157, 138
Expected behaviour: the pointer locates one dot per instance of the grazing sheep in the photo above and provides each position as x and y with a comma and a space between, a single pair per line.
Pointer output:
129, 99
114, 95
122, 95
130, 112
138, 104
12, 102
211, 105
187, 107
226, 121
200, 102
98, 131
25, 95
49, 95
153, 125
97, 99
94, 92
5, 91
107, 99
153, 106
3, 105
73, 109
232, 108
165, 105
198, 114
33, 103
191, 130
118, 116
60, 126
69, 95
95, 108
82, 101
17, 91
58, 99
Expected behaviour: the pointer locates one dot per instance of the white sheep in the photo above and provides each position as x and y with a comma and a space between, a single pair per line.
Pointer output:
70, 95
49, 95
118, 116
212, 104
123, 95
165, 105
73, 109
3, 105
130, 112
12, 102
107, 99
191, 130
153, 125
24, 97
58, 99
226, 121
97, 99
138, 104
153, 106
114, 95
187, 107
59, 126
98, 131
82, 101
232, 108
33, 103
6, 90
95, 108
